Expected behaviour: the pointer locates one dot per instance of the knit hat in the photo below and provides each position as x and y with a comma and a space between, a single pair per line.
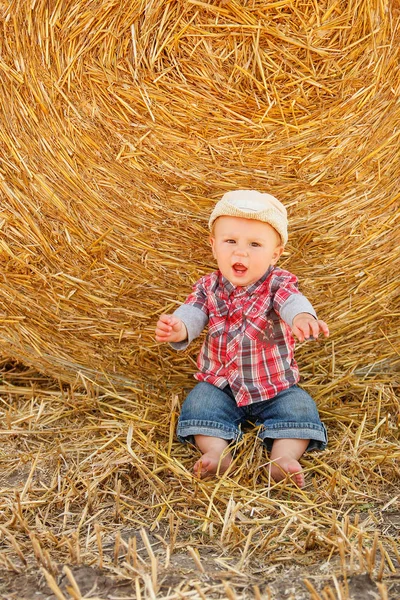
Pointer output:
250, 204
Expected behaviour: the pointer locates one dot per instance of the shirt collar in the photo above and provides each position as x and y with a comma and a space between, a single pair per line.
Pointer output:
249, 290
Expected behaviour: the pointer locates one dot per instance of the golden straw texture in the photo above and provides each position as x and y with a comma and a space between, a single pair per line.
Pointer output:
93, 484
122, 123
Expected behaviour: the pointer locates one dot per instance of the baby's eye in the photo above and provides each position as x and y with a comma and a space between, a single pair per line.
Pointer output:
255, 244
230, 241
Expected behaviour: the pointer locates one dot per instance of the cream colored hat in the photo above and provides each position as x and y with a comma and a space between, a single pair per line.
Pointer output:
250, 204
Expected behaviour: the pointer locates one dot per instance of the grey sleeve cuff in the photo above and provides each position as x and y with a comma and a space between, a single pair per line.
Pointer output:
295, 304
195, 320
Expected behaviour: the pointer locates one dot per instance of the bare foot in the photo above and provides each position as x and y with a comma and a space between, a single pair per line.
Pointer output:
287, 466
211, 464
212, 448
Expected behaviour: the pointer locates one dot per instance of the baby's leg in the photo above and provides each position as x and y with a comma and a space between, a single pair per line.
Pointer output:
210, 416
285, 456
215, 459
290, 421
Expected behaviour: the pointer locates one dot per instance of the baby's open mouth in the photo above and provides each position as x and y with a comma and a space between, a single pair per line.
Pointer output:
239, 268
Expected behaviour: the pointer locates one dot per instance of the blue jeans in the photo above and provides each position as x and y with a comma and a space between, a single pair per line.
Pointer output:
291, 414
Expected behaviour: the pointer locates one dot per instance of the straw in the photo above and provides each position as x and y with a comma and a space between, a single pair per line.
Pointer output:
107, 181
121, 124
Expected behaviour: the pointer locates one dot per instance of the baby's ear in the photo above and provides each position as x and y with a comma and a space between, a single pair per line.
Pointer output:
212, 243
277, 254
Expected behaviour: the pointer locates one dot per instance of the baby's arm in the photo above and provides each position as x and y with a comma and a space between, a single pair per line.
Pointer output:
295, 309
187, 321
305, 326
170, 329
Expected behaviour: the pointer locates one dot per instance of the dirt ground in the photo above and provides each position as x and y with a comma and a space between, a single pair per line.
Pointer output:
179, 575
181, 579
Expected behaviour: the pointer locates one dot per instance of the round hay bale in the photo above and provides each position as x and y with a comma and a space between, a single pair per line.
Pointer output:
122, 123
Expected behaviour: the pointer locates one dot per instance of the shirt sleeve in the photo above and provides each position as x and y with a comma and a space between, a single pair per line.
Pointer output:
194, 314
288, 301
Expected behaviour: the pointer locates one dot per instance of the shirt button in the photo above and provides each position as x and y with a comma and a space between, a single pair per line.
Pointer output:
253, 310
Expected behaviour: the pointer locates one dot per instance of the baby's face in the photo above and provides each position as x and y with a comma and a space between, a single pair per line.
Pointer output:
244, 248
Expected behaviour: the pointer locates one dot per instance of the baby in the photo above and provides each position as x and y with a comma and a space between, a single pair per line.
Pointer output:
246, 366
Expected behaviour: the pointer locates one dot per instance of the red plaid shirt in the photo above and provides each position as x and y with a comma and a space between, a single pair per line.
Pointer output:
248, 345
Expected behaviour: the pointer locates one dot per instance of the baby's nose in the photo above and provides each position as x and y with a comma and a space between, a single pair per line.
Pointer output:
241, 251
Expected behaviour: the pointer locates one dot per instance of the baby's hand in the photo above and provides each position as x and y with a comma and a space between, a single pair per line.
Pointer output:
170, 329
305, 326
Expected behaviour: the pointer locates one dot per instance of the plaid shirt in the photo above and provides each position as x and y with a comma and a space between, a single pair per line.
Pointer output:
248, 345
